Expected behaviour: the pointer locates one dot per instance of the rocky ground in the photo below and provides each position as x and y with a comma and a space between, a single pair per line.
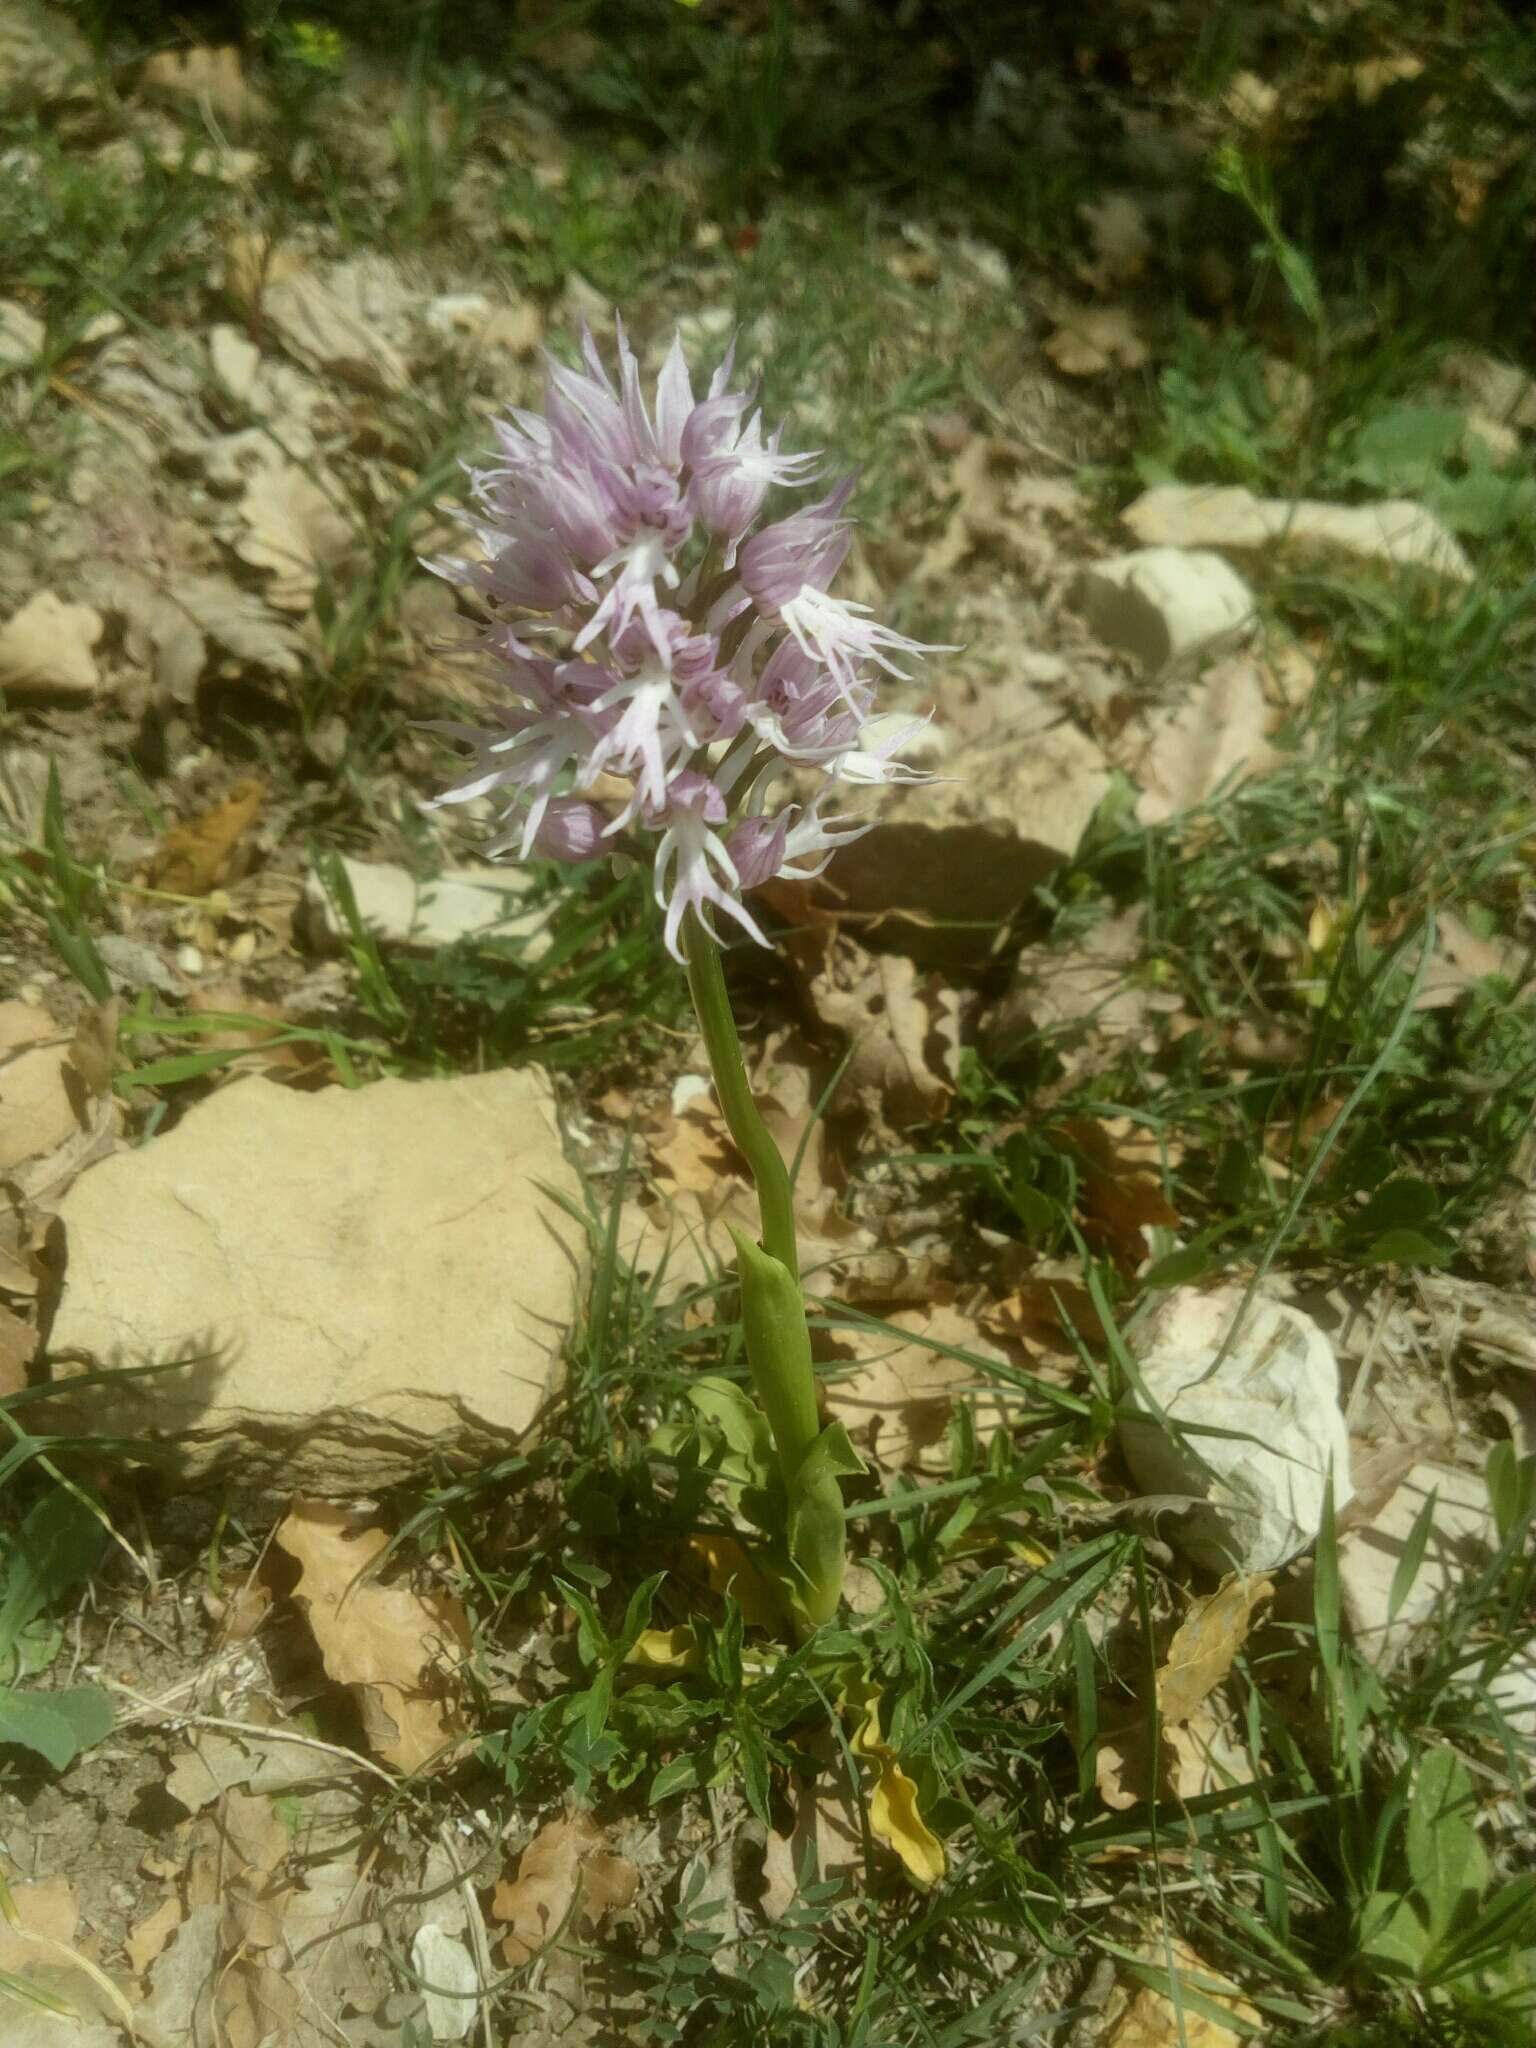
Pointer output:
386, 1659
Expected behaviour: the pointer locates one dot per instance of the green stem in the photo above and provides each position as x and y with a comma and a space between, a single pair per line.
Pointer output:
753, 1140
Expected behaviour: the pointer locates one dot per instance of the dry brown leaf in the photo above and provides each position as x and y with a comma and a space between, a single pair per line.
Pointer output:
566, 1871
897, 1402
289, 1940
998, 505
397, 1650
827, 1824
1122, 243
1216, 736
195, 857
1086, 1000
37, 1946
1120, 1195
46, 1909
295, 534
904, 1033
340, 321
254, 263
18, 1346
1044, 1309
1152, 2021
692, 1151
1461, 960
147, 1940
211, 77
297, 1063
22, 1235
707, 1188
1092, 339
1206, 1645
46, 650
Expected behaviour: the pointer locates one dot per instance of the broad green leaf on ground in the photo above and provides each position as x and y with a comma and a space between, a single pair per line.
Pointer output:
1446, 1861
58, 1725
56, 1546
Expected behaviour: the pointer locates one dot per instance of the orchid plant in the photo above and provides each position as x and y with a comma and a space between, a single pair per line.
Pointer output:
653, 638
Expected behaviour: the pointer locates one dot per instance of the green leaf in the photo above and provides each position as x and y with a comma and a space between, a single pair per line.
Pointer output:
1511, 1488
755, 1779
1504, 1926
80, 956
1409, 1248
1398, 1205
684, 1774
1190, 1262
730, 1409
1446, 1860
56, 1547
1408, 448
1412, 1557
66, 873
58, 1725
1392, 1936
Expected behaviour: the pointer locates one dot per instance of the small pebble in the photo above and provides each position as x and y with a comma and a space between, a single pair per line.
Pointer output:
189, 959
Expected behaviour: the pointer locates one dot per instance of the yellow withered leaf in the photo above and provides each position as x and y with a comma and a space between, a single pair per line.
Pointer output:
893, 1815
666, 1649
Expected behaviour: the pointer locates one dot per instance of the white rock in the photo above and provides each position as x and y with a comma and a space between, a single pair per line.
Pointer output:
356, 1279
1461, 1535
1495, 387
401, 910
46, 650
22, 336
1166, 607
1514, 1690
235, 361
131, 965
447, 1969
1394, 531
1261, 1494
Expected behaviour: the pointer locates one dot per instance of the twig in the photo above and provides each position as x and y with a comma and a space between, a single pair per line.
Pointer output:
252, 1732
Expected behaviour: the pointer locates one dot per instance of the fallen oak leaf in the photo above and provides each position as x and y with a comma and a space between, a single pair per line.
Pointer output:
1206, 1644
565, 1872
295, 535
897, 1025
1193, 1748
195, 857
1092, 339
209, 75
387, 1644
1119, 1197
897, 1401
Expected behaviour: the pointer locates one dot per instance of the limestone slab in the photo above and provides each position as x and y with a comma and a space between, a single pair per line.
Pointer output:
350, 1280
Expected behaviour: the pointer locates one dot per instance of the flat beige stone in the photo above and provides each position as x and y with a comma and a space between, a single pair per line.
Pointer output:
1395, 532
353, 1279
401, 910
948, 862
1461, 1536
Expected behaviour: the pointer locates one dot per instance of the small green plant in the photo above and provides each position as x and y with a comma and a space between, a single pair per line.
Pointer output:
55, 1547
1445, 1925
